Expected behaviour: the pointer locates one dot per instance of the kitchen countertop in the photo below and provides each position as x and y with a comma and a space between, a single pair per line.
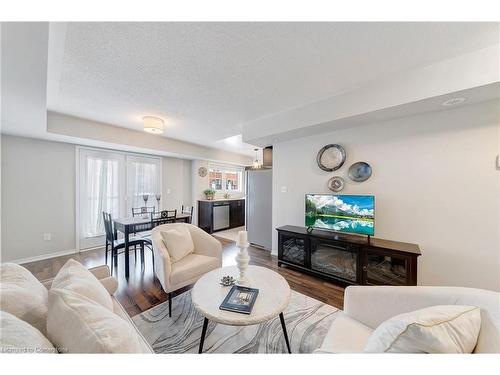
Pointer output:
221, 200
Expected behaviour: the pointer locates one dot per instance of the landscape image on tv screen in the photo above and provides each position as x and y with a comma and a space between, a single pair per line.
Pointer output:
343, 213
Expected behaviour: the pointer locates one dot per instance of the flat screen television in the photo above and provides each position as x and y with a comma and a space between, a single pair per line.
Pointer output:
342, 213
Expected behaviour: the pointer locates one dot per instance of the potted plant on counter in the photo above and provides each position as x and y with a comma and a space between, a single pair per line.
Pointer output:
209, 193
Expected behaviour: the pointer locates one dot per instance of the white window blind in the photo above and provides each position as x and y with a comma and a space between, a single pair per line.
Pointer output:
113, 182
143, 181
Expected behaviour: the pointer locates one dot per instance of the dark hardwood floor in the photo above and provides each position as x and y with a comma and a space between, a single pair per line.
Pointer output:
143, 291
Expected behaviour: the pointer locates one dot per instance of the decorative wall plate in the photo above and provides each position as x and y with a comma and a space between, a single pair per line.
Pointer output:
336, 183
331, 157
202, 171
360, 171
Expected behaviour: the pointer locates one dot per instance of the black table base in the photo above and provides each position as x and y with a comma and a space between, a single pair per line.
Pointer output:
205, 325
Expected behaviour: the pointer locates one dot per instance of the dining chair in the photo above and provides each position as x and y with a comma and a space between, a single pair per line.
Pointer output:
114, 244
136, 211
163, 217
188, 210
159, 218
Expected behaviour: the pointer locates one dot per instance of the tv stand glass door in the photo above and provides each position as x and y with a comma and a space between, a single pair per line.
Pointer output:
336, 259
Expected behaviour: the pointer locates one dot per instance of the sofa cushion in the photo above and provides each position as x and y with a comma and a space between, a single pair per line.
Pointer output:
191, 267
80, 325
178, 242
346, 335
17, 336
75, 277
436, 329
23, 295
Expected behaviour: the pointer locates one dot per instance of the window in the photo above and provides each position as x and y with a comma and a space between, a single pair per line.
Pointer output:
113, 182
225, 178
143, 181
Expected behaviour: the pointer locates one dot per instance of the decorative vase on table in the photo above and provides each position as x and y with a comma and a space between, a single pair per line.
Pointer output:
242, 258
145, 199
158, 198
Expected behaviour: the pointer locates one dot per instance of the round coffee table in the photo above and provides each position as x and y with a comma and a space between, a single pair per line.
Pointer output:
273, 297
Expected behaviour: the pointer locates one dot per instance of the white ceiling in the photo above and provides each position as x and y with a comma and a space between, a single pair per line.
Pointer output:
208, 79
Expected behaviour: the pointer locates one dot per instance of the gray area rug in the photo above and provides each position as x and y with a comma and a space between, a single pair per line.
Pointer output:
307, 321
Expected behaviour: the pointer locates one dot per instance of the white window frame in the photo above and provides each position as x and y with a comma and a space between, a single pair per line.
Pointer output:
224, 168
124, 207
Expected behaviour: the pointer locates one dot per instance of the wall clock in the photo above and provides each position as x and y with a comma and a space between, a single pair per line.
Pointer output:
202, 171
331, 157
336, 183
360, 171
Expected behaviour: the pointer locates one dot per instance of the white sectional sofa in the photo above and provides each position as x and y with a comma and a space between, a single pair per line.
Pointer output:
366, 307
23, 297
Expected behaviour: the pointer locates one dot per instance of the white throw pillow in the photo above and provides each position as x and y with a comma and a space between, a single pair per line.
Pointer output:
79, 325
178, 242
436, 329
22, 295
18, 337
75, 277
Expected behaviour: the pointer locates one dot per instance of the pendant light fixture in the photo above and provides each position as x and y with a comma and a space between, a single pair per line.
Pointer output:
256, 164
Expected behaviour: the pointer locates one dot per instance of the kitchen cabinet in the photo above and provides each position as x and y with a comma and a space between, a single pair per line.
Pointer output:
206, 208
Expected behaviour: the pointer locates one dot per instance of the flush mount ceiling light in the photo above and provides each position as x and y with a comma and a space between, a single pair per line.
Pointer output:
153, 125
453, 101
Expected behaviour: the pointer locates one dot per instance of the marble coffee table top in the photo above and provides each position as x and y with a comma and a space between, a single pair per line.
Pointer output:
274, 294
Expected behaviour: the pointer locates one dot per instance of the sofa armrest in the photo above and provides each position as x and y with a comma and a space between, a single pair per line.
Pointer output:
100, 272
110, 283
372, 305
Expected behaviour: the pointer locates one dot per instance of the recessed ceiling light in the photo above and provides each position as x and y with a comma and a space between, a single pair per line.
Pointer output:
153, 125
453, 101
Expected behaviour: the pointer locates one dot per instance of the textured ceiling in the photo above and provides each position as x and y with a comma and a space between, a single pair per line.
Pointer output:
207, 79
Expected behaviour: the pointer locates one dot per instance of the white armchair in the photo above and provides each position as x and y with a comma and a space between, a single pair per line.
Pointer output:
206, 257
366, 307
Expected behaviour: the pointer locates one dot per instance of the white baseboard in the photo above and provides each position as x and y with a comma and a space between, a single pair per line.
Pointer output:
50, 255
44, 256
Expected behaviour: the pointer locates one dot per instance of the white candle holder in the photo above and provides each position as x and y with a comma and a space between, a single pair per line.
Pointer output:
242, 260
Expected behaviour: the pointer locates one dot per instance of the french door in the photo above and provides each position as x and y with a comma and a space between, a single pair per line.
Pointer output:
113, 182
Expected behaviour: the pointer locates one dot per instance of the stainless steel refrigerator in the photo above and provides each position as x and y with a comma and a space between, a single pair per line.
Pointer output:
259, 207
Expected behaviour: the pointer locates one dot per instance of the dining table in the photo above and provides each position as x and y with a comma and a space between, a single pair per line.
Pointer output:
136, 224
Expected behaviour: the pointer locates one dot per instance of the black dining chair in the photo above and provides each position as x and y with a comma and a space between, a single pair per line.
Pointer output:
136, 211
188, 210
114, 244
163, 217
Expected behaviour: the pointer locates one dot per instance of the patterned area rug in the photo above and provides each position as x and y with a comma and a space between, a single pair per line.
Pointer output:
307, 322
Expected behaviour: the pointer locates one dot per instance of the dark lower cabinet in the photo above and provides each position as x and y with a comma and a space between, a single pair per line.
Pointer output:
236, 213
348, 259
206, 217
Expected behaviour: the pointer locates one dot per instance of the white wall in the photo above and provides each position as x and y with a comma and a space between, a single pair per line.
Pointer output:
435, 183
38, 195
176, 185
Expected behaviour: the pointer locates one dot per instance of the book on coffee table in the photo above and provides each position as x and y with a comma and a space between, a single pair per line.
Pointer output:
240, 299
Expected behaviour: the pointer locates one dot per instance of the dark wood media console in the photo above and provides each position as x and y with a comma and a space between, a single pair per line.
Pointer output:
348, 259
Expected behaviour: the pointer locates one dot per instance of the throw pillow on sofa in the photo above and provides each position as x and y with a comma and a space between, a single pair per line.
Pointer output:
78, 324
75, 277
436, 329
22, 295
17, 336
178, 242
